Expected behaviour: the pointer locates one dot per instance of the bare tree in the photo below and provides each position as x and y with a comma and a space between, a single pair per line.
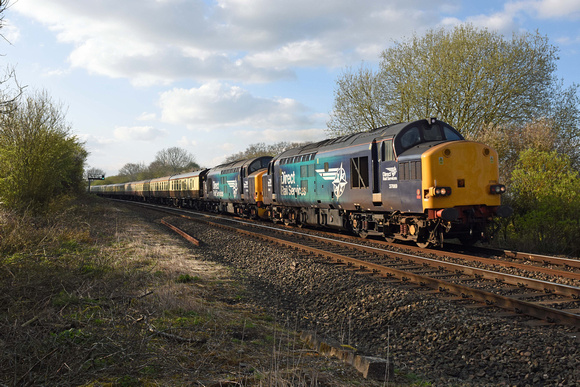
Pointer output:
133, 171
92, 172
173, 160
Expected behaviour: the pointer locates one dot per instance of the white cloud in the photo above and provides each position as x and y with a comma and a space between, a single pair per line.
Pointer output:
269, 136
96, 140
159, 42
510, 16
55, 72
499, 21
304, 53
557, 9
147, 116
138, 133
185, 142
10, 32
217, 105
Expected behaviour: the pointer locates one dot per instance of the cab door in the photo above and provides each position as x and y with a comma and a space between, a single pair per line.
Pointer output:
410, 185
388, 175
376, 172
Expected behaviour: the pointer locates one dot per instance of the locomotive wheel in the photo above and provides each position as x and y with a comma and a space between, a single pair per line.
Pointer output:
423, 245
390, 239
363, 234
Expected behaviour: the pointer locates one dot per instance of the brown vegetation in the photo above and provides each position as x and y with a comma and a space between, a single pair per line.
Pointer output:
97, 296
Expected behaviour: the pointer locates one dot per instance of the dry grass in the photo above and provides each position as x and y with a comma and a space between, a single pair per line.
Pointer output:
97, 296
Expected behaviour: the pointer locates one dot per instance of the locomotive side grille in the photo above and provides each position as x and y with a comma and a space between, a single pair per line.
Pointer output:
410, 170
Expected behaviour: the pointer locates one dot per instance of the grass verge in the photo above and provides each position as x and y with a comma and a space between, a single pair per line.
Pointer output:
97, 296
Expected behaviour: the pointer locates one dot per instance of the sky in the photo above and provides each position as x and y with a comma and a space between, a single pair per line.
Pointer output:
214, 76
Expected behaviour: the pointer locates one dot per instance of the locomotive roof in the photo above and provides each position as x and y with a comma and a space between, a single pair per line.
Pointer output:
246, 165
384, 132
239, 163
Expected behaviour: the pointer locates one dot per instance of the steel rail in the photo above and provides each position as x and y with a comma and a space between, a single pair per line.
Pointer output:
521, 266
546, 259
539, 258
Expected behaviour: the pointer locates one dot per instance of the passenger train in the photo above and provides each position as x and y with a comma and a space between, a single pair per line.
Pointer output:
417, 181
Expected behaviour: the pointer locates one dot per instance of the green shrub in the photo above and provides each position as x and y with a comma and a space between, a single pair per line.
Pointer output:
545, 195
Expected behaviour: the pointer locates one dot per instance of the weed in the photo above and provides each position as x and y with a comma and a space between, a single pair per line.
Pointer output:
70, 245
64, 298
72, 335
127, 381
186, 278
415, 379
265, 317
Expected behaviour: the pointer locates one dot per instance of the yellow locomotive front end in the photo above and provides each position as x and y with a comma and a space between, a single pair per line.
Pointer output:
256, 192
460, 184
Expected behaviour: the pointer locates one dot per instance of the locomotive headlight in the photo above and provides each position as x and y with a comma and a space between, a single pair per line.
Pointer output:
440, 191
496, 189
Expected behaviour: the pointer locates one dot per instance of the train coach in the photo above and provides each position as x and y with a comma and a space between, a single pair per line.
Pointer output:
418, 181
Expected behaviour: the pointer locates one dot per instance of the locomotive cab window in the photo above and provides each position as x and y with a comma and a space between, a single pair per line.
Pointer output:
411, 137
451, 134
432, 133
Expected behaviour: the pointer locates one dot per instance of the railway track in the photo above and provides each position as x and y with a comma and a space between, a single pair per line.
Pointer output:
545, 300
525, 260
